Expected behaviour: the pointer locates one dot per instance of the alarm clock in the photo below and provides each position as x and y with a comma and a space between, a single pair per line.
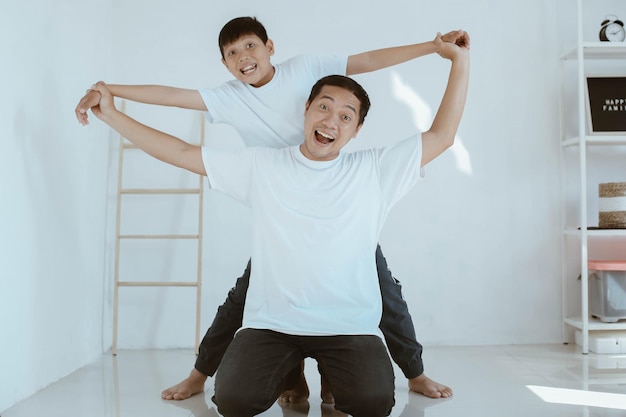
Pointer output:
612, 30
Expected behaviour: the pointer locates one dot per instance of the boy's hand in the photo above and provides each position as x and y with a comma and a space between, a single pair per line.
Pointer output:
89, 100
452, 50
105, 106
458, 37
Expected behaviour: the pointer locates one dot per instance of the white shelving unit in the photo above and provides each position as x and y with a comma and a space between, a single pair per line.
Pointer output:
581, 55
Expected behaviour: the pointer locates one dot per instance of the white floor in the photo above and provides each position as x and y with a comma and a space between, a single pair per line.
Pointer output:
502, 381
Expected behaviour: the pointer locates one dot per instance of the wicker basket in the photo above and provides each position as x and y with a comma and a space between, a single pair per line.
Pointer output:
612, 205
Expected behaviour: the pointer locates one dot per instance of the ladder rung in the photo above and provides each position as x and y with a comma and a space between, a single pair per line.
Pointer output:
156, 284
159, 236
130, 145
160, 191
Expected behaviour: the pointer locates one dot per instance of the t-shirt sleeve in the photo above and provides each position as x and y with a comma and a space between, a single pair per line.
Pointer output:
230, 172
400, 167
221, 101
211, 100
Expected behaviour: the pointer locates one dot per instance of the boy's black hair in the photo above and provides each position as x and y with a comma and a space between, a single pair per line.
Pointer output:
238, 27
350, 85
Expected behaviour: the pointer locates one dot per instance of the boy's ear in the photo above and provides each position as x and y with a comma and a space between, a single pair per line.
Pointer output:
357, 130
270, 46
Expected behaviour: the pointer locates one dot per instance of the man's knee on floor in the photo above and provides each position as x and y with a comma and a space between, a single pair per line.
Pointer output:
378, 403
240, 403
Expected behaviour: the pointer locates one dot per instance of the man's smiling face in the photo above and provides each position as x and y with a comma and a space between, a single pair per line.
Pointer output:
331, 120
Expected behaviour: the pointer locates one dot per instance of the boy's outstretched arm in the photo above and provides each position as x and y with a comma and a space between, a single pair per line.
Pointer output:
149, 94
441, 134
160, 145
387, 57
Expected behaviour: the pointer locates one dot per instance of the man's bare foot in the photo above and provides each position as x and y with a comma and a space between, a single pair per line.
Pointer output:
327, 396
328, 410
294, 409
193, 384
426, 386
297, 389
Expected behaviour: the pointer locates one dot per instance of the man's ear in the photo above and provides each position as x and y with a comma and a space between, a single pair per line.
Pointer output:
270, 46
357, 130
306, 106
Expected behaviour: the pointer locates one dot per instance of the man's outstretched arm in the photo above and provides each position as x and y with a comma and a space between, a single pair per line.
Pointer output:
160, 145
443, 130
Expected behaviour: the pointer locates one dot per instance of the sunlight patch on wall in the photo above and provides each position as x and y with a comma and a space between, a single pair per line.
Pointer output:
579, 397
422, 116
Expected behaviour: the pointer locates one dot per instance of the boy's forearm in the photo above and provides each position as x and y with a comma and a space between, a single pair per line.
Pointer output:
387, 57
159, 95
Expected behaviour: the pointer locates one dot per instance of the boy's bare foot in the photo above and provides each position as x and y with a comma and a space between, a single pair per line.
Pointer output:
298, 391
189, 386
327, 396
426, 386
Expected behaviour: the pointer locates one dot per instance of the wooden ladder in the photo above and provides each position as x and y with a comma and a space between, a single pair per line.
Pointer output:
121, 192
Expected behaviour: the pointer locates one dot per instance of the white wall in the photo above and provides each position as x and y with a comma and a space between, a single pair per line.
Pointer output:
53, 182
477, 250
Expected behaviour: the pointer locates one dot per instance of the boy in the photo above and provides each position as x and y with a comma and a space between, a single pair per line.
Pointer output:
282, 90
317, 215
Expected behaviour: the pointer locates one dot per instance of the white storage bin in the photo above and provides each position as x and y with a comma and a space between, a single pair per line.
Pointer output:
607, 290
611, 342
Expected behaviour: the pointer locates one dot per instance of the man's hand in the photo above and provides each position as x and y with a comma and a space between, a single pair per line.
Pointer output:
458, 37
89, 100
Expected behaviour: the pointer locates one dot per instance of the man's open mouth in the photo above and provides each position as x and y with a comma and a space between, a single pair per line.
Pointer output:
323, 138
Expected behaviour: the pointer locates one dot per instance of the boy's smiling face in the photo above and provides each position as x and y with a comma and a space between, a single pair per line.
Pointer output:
248, 59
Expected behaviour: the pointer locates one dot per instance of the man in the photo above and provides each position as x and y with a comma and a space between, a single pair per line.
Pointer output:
317, 214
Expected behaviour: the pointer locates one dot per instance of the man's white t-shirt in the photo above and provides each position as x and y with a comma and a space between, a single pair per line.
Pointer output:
271, 115
315, 229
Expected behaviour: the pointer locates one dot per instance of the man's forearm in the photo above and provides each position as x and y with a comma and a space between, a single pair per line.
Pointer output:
443, 130
160, 145
448, 117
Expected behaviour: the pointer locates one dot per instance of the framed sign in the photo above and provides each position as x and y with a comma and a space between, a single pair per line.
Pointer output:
606, 105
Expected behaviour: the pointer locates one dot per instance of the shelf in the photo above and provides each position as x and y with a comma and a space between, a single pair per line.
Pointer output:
598, 50
596, 232
595, 324
596, 140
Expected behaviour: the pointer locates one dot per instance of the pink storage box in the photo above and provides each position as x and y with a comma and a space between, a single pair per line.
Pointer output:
607, 290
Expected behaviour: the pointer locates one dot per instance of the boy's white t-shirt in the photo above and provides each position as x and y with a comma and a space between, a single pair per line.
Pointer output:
315, 229
271, 115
